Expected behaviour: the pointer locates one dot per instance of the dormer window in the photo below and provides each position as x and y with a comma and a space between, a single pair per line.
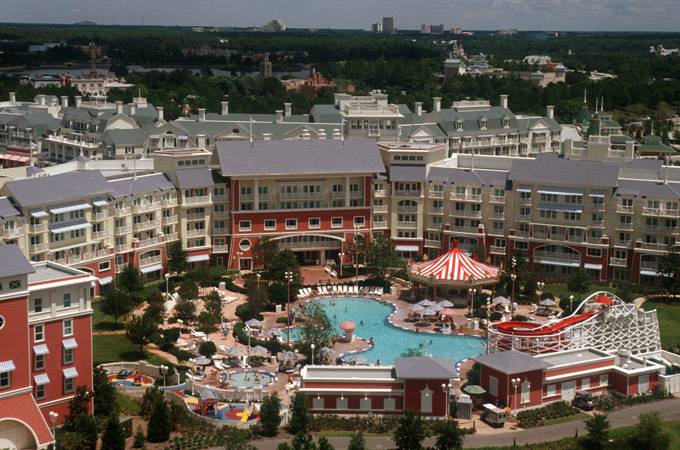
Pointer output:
459, 124
482, 123
506, 122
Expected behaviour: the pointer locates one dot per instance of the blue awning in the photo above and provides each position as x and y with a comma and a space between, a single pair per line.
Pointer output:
105, 280
523, 188
70, 372
69, 344
7, 366
41, 379
41, 349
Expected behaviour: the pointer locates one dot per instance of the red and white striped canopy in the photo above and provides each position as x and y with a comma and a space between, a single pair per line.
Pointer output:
455, 268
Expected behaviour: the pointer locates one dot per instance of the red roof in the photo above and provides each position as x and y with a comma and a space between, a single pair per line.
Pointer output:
455, 266
24, 410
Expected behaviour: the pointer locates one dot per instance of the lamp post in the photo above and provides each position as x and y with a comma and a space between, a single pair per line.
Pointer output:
53, 419
289, 279
447, 388
539, 288
515, 384
258, 276
488, 321
238, 260
341, 256
571, 303
312, 347
513, 277
356, 256
164, 371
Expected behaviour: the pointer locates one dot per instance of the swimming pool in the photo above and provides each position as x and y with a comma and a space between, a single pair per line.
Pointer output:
370, 317
247, 379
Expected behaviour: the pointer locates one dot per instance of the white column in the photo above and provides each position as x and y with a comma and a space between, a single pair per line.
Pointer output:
346, 192
256, 195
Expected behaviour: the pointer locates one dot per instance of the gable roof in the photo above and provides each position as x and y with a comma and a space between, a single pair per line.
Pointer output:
196, 177
551, 169
60, 188
511, 362
144, 184
424, 367
13, 262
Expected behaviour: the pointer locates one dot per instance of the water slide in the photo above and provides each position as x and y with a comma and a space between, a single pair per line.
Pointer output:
517, 328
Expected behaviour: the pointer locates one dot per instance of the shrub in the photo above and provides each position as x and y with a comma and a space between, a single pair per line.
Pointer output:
140, 439
244, 312
535, 417
207, 349
160, 425
270, 415
114, 436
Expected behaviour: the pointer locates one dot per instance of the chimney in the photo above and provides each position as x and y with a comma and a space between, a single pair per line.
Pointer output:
41, 100
419, 108
119, 107
225, 108
266, 136
437, 104
200, 140
79, 101
201, 114
12, 97
504, 101
133, 109
279, 116
288, 108
159, 111
550, 112
322, 134
64, 101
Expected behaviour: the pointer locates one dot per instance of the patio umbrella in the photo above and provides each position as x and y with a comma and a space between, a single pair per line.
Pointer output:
428, 312
447, 313
348, 325
201, 361
474, 389
445, 304
258, 350
547, 302
254, 323
273, 331
502, 300
437, 308
417, 308
326, 351
234, 351
288, 356
426, 303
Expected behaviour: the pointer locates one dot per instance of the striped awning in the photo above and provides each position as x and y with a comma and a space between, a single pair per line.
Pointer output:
69, 344
7, 366
41, 349
70, 372
41, 379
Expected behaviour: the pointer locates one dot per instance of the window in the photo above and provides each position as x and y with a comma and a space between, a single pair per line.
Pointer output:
244, 245
69, 385
585, 384
493, 386
5, 380
336, 222
604, 380
2, 322
551, 390
314, 222
244, 225
39, 333
68, 356
365, 404
67, 300
68, 327
15, 284
341, 403
389, 404
270, 224
104, 266
359, 221
522, 245
37, 305
594, 252
525, 394
40, 391
39, 362
318, 403
426, 400
291, 224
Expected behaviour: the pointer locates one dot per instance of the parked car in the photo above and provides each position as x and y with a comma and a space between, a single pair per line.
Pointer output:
493, 415
583, 400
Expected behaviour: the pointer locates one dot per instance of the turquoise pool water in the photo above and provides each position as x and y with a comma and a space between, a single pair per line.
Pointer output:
370, 316
249, 378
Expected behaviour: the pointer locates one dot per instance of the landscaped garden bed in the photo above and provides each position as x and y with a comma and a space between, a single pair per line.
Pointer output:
553, 413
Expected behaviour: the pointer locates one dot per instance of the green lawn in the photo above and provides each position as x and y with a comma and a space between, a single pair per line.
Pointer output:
102, 321
112, 348
669, 321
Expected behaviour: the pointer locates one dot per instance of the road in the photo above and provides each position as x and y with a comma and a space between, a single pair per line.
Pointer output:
669, 410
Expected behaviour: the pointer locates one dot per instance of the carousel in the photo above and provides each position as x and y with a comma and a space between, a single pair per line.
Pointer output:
454, 274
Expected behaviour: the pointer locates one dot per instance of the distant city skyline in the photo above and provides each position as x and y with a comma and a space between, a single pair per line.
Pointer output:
563, 15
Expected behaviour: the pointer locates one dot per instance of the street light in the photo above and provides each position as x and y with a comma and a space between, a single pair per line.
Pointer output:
356, 256
571, 301
238, 260
258, 276
289, 278
447, 389
515, 383
341, 256
164, 371
539, 288
53, 419
513, 277
312, 346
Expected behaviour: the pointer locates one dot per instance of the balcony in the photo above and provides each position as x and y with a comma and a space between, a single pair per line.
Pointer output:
221, 198
147, 224
98, 217
123, 248
563, 257
498, 250
409, 193
296, 196
497, 198
435, 194
649, 265
148, 242
99, 235
497, 215
405, 224
622, 242
574, 238
196, 200
618, 262
196, 216
38, 228
407, 209
437, 211
379, 224
524, 201
171, 237
120, 212
466, 197
12, 232
433, 243
655, 246
662, 212
146, 207
541, 235
169, 203
39, 248
330, 244
196, 232
143, 262
125, 229
380, 208
466, 213
220, 230
220, 213
464, 229
625, 209
80, 257
169, 220
382, 193
594, 239
597, 207
624, 226
220, 248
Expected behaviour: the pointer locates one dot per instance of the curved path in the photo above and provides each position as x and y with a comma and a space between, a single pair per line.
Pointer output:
668, 409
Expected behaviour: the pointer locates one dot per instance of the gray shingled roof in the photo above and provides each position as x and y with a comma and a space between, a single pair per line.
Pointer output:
551, 169
454, 176
511, 362
197, 177
130, 187
13, 262
648, 188
407, 172
7, 209
135, 136
424, 367
357, 155
60, 188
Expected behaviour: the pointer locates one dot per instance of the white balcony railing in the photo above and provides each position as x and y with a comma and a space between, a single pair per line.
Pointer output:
405, 224
379, 224
498, 250
143, 262
196, 200
120, 212
624, 208
123, 248
146, 207
125, 229
196, 232
99, 235
380, 208
98, 217
148, 242
12, 232
466, 197
147, 224
618, 262
220, 248
433, 243
38, 228
39, 248
169, 220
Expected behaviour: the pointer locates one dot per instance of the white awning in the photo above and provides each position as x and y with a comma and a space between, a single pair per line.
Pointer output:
41, 349
151, 268
592, 266
7, 366
38, 214
69, 227
523, 188
559, 190
648, 272
197, 258
406, 248
70, 372
69, 344
597, 194
41, 379
105, 280
65, 209
557, 262
100, 203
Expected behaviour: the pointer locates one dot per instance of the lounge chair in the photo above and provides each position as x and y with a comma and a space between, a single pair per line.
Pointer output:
343, 289
378, 291
355, 290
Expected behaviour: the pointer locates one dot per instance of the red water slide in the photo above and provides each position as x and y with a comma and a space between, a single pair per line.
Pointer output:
517, 328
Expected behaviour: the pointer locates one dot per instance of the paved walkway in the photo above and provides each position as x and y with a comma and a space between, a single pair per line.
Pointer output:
669, 410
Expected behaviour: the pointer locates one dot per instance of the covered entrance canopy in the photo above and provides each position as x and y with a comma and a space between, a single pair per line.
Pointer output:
454, 269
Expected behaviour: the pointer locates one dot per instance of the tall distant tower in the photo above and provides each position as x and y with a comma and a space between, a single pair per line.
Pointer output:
388, 25
92, 51
266, 67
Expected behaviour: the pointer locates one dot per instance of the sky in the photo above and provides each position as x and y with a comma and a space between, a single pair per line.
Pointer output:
596, 15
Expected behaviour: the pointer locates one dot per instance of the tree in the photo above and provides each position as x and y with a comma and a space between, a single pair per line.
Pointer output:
579, 282
116, 303
669, 268
140, 438
76, 406
270, 415
357, 442
449, 435
412, 351
213, 304
282, 262
177, 258
299, 419
410, 432
151, 395
207, 349
263, 251
324, 444
114, 436
188, 290
140, 330
185, 310
129, 280
598, 432
648, 433
382, 256
104, 393
160, 424
317, 329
